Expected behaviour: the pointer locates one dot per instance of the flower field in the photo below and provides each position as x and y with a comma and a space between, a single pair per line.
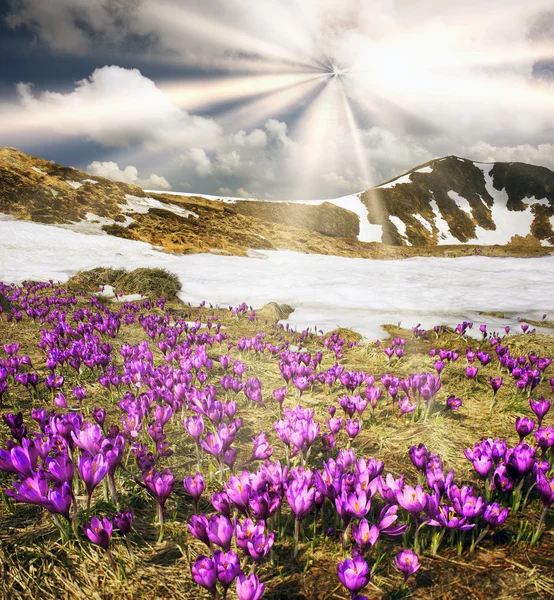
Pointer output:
154, 449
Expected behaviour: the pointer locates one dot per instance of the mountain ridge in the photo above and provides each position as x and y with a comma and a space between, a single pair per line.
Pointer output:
443, 203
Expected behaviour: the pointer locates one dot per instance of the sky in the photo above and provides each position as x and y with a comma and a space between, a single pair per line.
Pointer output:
276, 99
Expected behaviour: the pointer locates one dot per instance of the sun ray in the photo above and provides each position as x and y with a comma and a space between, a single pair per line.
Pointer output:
271, 105
202, 94
316, 135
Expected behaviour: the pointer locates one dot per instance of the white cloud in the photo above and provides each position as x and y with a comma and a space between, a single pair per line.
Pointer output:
111, 170
542, 154
349, 183
200, 162
227, 162
115, 107
224, 191
243, 193
255, 139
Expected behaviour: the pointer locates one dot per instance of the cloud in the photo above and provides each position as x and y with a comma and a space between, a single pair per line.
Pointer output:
542, 154
111, 170
243, 193
116, 107
224, 191
350, 182
255, 139
488, 94
227, 162
199, 161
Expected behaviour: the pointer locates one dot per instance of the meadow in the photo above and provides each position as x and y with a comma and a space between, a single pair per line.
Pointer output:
156, 449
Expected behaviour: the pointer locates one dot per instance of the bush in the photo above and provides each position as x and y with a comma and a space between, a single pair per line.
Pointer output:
92, 280
153, 283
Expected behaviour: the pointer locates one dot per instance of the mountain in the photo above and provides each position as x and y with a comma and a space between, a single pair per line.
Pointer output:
507, 208
453, 200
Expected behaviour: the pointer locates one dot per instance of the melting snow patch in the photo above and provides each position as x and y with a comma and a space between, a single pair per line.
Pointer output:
368, 231
225, 199
424, 222
400, 227
143, 205
508, 222
532, 200
443, 236
397, 181
37, 170
461, 202
326, 291
74, 184
427, 169
90, 181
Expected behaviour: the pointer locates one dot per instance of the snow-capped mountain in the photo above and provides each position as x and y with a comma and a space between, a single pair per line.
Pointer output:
456, 201
448, 201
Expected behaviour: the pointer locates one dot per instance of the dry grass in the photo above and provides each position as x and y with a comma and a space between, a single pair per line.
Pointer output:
152, 283
35, 565
45, 196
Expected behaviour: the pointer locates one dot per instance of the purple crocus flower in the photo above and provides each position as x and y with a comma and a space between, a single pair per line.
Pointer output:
352, 427
364, 534
249, 588
262, 450
15, 424
545, 437
334, 424
501, 479
92, 470
471, 372
405, 405
220, 501
204, 573
524, 426
413, 500
123, 521
545, 489
300, 495
453, 403
496, 383
280, 394
194, 426
194, 486
447, 517
259, 545
99, 415
494, 515
407, 562
521, 460
540, 407
419, 455
60, 499
227, 567
354, 574
220, 531
198, 525
356, 504
99, 532
161, 485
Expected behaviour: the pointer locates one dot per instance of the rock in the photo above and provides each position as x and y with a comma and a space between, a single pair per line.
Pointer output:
274, 311
325, 218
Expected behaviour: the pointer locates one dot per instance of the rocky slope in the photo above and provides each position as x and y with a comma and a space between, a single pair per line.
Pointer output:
505, 208
456, 201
